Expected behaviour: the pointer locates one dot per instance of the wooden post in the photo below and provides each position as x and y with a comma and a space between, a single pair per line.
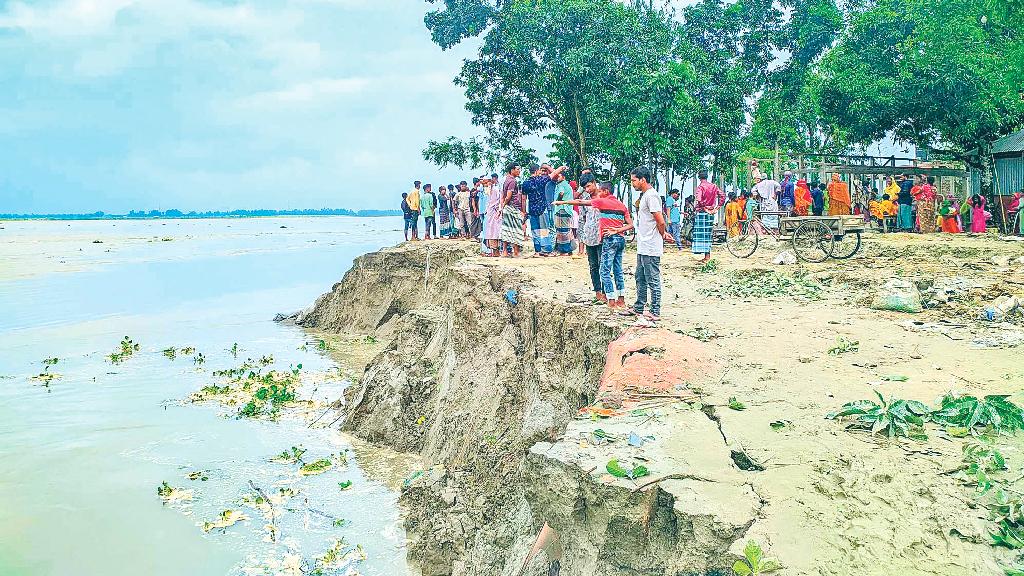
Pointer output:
778, 165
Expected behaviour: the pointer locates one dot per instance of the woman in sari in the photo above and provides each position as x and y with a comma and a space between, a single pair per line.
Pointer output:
733, 212
803, 198
838, 197
891, 187
948, 212
978, 216
925, 198
444, 211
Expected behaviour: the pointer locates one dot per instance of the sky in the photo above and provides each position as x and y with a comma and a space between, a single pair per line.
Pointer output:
119, 105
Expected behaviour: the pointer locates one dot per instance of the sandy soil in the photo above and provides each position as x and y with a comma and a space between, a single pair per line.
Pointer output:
831, 501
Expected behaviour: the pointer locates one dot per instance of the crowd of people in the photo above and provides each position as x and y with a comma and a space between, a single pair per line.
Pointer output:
563, 217
907, 203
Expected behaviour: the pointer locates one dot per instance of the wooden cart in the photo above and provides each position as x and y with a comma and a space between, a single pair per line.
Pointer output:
814, 238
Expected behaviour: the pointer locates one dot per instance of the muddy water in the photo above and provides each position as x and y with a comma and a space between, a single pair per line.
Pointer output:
81, 458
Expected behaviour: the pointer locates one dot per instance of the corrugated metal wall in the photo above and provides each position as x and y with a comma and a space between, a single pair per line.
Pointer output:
1009, 175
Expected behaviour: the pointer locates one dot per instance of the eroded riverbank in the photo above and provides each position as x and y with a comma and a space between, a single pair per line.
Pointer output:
488, 363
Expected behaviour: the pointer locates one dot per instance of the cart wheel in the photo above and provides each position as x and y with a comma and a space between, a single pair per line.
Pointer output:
813, 241
846, 245
744, 240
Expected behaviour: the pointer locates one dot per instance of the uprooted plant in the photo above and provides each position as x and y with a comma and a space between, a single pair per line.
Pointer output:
960, 414
994, 412
892, 417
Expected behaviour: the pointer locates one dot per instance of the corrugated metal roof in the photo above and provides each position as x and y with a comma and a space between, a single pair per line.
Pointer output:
1011, 143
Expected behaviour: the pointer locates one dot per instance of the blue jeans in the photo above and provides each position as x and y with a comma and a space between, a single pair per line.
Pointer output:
673, 229
543, 239
611, 266
648, 277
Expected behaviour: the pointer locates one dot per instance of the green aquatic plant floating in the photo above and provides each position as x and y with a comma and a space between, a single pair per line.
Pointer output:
892, 418
615, 469
171, 352
48, 362
345, 485
754, 563
993, 412
735, 404
127, 348
226, 519
319, 467
199, 359
322, 345
844, 346
188, 351
164, 490
290, 456
200, 475
234, 350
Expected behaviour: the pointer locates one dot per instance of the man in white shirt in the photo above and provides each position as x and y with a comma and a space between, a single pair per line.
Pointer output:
768, 191
651, 235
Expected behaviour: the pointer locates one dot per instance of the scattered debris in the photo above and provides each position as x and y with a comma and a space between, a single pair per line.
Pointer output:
760, 283
999, 309
786, 258
843, 346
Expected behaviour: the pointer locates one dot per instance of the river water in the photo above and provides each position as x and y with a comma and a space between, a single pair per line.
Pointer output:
82, 457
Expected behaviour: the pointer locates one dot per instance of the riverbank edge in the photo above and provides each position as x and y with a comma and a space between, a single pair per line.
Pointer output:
482, 373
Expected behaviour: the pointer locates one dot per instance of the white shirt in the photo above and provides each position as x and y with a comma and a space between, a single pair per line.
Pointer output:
649, 242
768, 189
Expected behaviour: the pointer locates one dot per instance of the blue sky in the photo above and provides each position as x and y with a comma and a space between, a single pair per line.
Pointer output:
117, 105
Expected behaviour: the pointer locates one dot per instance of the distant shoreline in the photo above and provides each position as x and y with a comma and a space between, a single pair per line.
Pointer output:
116, 217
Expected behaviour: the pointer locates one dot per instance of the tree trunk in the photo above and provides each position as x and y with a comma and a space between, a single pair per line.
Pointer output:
988, 184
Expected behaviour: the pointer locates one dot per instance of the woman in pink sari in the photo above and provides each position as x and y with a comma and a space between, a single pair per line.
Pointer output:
978, 214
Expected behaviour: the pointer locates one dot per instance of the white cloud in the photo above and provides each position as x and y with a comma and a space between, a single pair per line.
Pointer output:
316, 91
70, 18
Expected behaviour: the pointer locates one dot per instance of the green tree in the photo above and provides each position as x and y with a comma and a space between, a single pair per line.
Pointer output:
939, 73
788, 114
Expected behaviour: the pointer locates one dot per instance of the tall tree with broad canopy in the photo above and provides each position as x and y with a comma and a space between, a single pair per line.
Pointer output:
947, 74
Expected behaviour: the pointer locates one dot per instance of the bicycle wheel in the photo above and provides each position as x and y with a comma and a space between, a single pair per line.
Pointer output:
743, 243
846, 245
813, 241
